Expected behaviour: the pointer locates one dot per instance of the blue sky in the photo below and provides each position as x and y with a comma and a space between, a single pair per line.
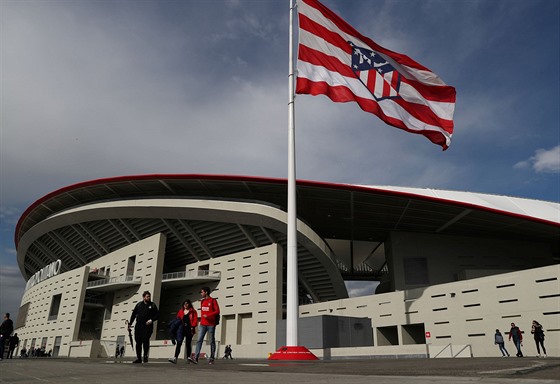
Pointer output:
94, 89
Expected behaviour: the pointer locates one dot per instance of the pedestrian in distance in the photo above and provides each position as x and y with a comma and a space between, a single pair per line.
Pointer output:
209, 318
189, 320
117, 351
6, 330
227, 352
517, 337
12, 345
145, 313
499, 340
538, 333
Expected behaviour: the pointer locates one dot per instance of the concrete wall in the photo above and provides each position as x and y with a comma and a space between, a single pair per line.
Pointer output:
325, 332
418, 260
249, 293
250, 297
66, 324
461, 313
72, 286
459, 316
149, 255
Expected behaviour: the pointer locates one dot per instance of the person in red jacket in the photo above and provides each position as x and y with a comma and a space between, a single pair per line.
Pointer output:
189, 319
209, 311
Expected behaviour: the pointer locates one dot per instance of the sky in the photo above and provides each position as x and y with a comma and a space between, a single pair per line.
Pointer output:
96, 89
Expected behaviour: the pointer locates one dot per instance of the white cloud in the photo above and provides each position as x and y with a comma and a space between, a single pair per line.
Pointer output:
544, 161
361, 288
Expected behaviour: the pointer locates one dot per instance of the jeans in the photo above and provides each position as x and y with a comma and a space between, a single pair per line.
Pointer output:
518, 346
503, 349
541, 342
211, 329
183, 333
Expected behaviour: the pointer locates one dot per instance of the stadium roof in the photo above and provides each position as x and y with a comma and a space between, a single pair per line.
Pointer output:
332, 211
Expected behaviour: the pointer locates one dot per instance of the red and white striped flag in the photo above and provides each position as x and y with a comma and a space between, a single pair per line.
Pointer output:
337, 61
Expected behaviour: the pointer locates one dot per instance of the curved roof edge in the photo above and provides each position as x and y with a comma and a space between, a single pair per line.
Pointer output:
546, 211
534, 210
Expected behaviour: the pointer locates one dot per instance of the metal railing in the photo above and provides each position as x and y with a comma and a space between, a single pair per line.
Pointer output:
192, 275
115, 280
89, 300
454, 355
362, 269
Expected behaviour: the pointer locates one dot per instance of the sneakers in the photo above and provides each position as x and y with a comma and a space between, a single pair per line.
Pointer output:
191, 360
211, 361
145, 359
137, 361
172, 360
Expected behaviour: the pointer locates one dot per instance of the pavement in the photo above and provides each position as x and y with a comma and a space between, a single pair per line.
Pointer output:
252, 371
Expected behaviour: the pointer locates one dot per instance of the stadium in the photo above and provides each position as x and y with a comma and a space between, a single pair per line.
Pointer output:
448, 268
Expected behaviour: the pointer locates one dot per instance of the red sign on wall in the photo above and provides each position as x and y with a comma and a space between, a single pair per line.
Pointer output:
428, 334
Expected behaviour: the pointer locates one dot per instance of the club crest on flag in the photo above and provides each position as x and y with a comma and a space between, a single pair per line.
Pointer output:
375, 73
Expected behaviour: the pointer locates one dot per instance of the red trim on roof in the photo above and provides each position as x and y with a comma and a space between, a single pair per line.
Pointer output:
348, 187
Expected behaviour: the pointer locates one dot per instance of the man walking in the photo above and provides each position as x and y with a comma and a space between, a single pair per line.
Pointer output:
6, 330
145, 313
209, 315
517, 336
14, 342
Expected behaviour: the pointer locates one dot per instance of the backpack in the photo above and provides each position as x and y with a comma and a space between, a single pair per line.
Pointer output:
218, 315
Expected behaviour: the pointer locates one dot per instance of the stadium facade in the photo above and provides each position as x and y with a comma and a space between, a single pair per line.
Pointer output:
451, 267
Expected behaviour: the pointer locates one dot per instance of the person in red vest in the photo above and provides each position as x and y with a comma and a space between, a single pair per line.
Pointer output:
209, 318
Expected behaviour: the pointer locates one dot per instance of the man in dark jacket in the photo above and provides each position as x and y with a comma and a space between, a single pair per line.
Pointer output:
517, 336
14, 342
145, 313
6, 330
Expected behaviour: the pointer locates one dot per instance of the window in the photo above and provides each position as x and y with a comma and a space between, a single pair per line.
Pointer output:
55, 306
22, 315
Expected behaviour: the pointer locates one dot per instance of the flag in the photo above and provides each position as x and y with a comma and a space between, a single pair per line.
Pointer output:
337, 61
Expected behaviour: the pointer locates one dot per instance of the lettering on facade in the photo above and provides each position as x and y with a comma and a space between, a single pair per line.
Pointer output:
44, 273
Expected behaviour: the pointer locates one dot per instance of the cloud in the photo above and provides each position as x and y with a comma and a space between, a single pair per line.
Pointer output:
544, 161
9, 215
361, 288
12, 286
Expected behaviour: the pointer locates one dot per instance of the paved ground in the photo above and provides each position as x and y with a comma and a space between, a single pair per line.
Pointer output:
378, 371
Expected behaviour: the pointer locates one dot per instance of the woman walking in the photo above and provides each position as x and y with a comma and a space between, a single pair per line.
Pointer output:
538, 334
189, 319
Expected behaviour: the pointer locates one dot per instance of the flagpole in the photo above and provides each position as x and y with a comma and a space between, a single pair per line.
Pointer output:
291, 351
292, 262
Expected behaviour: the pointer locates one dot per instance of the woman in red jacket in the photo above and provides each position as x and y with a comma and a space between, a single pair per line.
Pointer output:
189, 318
